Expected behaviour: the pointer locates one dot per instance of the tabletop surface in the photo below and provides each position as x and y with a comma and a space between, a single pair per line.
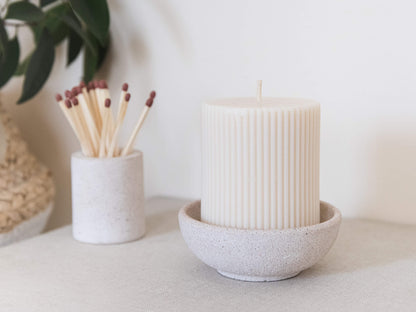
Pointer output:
372, 267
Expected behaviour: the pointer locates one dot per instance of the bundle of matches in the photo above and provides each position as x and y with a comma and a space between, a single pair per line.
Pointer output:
88, 111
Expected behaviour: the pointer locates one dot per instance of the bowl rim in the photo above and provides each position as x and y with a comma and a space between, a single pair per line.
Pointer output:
333, 221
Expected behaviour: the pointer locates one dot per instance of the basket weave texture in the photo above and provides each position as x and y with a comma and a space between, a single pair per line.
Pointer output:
26, 186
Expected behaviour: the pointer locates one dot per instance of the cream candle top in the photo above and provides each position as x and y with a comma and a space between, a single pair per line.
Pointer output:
271, 103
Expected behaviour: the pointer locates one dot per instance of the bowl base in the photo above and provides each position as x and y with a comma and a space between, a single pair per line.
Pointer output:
259, 255
249, 278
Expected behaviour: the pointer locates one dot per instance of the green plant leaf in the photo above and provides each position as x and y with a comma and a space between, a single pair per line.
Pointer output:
95, 14
37, 31
53, 21
74, 46
74, 24
102, 53
21, 68
24, 11
39, 66
90, 61
46, 2
3, 38
93, 62
59, 32
9, 62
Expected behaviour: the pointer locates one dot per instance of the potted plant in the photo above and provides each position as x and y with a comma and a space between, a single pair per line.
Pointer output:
26, 186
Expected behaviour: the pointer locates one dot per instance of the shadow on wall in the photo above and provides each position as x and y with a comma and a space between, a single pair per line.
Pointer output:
174, 26
126, 42
390, 193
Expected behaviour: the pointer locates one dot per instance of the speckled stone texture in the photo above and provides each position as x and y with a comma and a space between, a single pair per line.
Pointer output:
259, 255
107, 198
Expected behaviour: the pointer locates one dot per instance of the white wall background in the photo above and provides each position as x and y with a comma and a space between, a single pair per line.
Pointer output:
358, 58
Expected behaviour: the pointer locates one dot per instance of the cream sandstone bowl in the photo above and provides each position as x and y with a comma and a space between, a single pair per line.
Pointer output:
259, 255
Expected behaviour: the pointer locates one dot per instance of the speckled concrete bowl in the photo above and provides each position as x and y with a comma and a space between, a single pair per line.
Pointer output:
259, 255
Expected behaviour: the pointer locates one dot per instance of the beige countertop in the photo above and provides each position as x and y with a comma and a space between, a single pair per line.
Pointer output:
372, 267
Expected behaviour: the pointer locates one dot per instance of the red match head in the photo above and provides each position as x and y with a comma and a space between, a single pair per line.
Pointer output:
153, 94
96, 84
82, 84
127, 97
149, 102
91, 85
68, 94
102, 84
68, 103
125, 87
58, 97
107, 103
74, 91
75, 101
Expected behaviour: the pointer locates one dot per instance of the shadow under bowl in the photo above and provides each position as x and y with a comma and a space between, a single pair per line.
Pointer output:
259, 255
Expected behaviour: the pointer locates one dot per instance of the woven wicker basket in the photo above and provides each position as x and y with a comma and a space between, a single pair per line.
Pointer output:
26, 186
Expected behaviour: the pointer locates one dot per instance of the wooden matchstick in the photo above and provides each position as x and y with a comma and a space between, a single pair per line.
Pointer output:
84, 91
111, 123
120, 117
90, 115
104, 132
89, 119
127, 149
81, 137
86, 149
123, 93
94, 103
100, 99
65, 107
79, 118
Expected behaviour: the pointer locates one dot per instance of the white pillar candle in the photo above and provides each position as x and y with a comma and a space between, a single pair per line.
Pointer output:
260, 163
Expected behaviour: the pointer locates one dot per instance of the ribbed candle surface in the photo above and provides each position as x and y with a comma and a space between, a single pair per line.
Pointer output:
260, 163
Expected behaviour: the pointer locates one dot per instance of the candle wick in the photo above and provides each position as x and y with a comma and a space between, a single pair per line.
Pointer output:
259, 89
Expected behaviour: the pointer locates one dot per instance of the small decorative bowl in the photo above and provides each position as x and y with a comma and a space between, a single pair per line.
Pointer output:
259, 255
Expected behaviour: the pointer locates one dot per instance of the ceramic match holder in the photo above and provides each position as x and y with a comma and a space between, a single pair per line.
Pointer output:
107, 198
